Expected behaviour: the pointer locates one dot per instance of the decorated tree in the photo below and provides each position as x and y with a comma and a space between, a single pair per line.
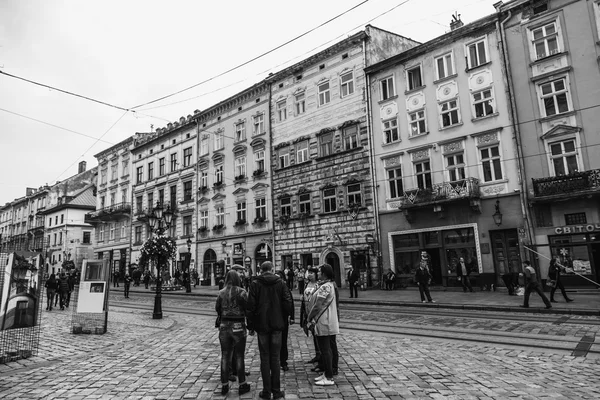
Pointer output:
158, 249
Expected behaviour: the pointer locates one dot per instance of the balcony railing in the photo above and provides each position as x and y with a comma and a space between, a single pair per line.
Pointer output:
109, 213
567, 184
440, 193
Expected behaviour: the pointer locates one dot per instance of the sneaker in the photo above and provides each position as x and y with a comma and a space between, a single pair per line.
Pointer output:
264, 395
279, 395
320, 378
325, 382
225, 389
244, 388
424, 301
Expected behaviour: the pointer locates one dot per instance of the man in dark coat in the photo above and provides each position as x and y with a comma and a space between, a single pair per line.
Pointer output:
269, 301
462, 272
353, 278
289, 320
63, 289
423, 279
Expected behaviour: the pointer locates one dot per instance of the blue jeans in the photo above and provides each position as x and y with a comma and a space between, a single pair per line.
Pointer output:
232, 335
269, 345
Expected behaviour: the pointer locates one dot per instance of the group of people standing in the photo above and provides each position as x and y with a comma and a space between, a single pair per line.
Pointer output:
59, 290
267, 309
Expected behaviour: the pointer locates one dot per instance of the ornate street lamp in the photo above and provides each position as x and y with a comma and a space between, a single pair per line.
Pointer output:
159, 248
497, 215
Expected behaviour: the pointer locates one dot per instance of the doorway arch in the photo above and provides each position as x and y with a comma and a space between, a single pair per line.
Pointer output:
333, 257
209, 259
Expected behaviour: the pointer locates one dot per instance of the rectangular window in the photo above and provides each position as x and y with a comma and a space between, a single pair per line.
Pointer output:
123, 230
219, 174
491, 164
150, 201
261, 208
350, 135
455, 165
444, 66
423, 174
390, 131
554, 97
413, 78
302, 152
113, 195
103, 174
449, 113
138, 234
139, 174
387, 88
187, 190
240, 166
124, 198
324, 93
60, 238
100, 234
258, 124
204, 218
114, 171
241, 211
187, 157
395, 182
220, 215
204, 178
282, 110
161, 197
259, 160
483, 103
87, 237
300, 101
564, 157
329, 200
219, 139
286, 205
111, 234
354, 194
304, 203
545, 40
62, 218
125, 166
204, 145
161, 166
347, 84
284, 157
326, 144
173, 162
240, 131
476, 54
575, 218
173, 196
187, 225
416, 122
150, 170
139, 201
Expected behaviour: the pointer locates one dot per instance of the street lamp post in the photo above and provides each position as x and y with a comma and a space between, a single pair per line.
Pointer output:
159, 221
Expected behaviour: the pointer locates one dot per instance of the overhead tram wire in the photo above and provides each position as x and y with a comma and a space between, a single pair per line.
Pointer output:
253, 59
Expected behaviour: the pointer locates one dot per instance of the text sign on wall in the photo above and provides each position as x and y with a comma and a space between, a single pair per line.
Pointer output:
559, 230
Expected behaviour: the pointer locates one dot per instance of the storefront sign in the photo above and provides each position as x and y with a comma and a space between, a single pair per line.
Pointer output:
238, 249
485, 248
559, 230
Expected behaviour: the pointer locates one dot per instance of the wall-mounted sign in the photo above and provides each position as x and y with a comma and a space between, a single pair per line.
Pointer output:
485, 248
238, 249
559, 230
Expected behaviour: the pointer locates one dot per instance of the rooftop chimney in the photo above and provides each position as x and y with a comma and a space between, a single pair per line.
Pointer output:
456, 22
82, 167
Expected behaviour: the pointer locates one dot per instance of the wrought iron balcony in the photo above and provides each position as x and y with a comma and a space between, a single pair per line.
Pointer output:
109, 213
441, 193
566, 186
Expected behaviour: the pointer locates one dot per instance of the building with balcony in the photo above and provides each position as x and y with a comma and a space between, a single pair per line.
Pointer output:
113, 210
164, 173
35, 223
444, 157
324, 208
233, 221
5, 225
552, 50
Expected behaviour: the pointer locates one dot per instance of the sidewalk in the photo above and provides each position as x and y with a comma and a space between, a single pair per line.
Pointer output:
586, 301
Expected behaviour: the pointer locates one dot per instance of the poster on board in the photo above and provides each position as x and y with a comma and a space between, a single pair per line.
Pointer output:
92, 288
19, 291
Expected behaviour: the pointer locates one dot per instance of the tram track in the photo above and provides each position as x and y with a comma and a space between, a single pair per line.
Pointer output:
575, 345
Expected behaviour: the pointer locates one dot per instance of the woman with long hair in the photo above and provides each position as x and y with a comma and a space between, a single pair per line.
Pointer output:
231, 308
554, 271
311, 285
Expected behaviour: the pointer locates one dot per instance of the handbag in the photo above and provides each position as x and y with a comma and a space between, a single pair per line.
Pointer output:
551, 283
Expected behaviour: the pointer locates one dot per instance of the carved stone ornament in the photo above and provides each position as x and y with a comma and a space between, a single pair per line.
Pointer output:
454, 146
492, 190
394, 205
392, 161
447, 91
420, 155
389, 110
415, 101
487, 138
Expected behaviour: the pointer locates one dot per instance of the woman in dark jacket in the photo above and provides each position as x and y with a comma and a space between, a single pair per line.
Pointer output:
231, 308
554, 271
51, 286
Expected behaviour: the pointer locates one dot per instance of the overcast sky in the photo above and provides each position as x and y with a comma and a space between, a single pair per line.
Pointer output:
127, 53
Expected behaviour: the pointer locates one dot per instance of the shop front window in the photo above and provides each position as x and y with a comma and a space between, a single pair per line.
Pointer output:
572, 252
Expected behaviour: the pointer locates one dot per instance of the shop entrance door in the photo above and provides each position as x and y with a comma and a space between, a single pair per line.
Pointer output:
333, 260
505, 247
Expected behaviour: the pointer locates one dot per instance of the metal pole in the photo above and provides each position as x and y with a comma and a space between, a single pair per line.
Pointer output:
157, 314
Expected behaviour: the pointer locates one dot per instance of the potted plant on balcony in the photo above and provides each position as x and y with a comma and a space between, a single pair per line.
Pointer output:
258, 172
203, 189
240, 222
218, 227
284, 219
259, 220
203, 229
218, 184
240, 178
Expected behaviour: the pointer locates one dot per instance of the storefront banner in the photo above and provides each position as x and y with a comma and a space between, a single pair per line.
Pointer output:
582, 267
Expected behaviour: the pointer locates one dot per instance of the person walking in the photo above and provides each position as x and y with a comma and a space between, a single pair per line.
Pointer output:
323, 318
290, 278
554, 271
231, 307
63, 289
126, 285
146, 278
423, 279
390, 279
353, 278
462, 272
71, 281
195, 277
51, 287
116, 278
300, 280
532, 285
288, 320
268, 303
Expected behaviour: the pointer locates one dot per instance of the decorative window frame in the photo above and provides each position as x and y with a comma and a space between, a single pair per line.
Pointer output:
562, 133
410, 122
385, 128
408, 71
551, 79
476, 41
441, 113
281, 109
492, 101
351, 84
541, 24
384, 81
393, 162
240, 130
260, 124
443, 57
297, 102
321, 102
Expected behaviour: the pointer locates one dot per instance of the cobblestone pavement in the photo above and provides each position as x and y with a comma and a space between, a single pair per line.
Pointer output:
178, 358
